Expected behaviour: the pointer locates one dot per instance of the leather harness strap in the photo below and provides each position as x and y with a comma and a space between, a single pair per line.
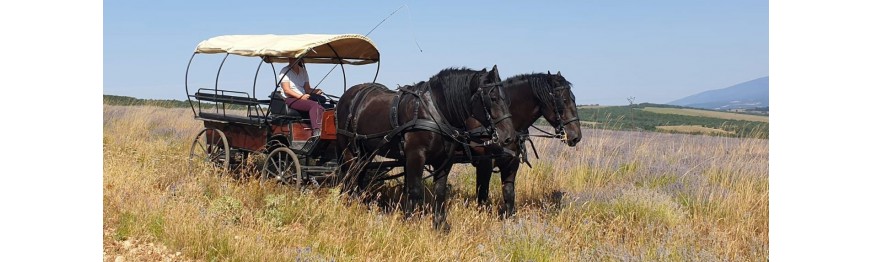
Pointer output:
436, 123
415, 123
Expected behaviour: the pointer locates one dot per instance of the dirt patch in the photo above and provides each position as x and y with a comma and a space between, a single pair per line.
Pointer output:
136, 250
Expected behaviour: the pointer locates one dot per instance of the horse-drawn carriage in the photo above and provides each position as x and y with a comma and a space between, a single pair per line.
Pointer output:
269, 126
458, 116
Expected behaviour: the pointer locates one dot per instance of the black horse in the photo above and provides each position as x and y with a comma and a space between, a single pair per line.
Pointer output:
418, 125
531, 96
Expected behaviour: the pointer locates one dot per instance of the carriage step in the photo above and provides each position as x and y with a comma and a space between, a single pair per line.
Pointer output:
305, 146
310, 144
298, 145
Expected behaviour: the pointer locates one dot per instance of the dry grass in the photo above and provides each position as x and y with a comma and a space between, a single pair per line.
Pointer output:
589, 123
707, 113
618, 196
694, 129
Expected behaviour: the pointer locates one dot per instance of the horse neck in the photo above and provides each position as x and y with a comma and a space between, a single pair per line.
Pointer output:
525, 106
442, 104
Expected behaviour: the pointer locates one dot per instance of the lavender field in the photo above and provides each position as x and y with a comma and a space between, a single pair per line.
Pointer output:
617, 196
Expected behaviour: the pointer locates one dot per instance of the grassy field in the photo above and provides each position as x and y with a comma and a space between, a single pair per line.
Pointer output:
617, 196
707, 113
693, 130
648, 118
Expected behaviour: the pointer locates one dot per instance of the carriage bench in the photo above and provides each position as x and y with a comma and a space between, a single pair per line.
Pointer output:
229, 99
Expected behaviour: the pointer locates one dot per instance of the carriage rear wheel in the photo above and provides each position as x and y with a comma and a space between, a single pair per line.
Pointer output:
282, 166
210, 147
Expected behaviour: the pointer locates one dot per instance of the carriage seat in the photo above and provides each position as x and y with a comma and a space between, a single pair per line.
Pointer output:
278, 107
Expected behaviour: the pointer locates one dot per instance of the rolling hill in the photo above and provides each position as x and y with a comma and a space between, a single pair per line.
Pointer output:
751, 94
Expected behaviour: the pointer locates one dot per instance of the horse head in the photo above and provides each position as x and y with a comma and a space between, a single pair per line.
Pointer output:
493, 111
560, 111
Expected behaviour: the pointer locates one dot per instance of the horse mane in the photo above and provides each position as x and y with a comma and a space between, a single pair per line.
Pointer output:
541, 86
458, 101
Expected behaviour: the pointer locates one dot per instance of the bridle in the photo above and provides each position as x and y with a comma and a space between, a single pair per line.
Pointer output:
487, 103
560, 127
559, 107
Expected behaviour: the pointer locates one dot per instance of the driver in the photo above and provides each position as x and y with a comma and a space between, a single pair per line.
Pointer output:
299, 94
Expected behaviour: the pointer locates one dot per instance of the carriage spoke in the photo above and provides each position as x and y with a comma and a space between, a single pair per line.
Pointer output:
275, 174
280, 167
213, 149
198, 156
209, 148
201, 146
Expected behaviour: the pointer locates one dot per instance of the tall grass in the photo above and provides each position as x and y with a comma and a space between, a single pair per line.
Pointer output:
617, 196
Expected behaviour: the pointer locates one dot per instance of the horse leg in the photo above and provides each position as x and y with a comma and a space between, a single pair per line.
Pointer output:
483, 169
508, 170
439, 213
414, 183
348, 172
363, 182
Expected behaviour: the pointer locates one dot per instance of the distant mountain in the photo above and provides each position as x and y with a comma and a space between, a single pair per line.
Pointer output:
751, 94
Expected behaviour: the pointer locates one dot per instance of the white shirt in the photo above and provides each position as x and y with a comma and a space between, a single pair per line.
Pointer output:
297, 81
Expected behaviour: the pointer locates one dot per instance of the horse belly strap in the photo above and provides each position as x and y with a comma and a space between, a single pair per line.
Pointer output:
394, 115
432, 126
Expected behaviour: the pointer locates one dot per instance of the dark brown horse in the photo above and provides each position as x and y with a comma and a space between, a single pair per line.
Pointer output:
418, 125
531, 96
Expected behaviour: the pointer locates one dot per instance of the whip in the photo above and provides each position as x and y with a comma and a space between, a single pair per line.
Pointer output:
370, 31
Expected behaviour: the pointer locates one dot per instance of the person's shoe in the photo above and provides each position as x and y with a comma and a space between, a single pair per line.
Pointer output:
316, 132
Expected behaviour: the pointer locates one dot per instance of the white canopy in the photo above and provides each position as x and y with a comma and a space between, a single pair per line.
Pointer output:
279, 48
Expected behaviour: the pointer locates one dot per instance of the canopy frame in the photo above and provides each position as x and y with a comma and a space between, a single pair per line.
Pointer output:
297, 55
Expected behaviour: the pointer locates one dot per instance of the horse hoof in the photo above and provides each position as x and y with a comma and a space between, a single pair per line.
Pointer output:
487, 209
506, 214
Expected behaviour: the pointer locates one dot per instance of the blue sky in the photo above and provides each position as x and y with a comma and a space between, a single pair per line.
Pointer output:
655, 51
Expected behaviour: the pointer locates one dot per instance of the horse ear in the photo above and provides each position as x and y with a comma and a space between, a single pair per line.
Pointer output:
495, 73
558, 73
549, 72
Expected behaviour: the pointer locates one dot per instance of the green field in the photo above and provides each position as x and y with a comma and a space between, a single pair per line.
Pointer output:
648, 117
707, 113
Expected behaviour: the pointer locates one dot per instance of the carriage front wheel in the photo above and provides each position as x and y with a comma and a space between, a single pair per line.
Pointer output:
210, 147
283, 167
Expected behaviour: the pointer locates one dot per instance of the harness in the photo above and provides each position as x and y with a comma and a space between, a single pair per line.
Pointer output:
423, 104
524, 135
403, 97
476, 136
559, 128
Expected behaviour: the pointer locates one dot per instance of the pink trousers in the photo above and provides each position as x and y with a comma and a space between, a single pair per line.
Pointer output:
315, 110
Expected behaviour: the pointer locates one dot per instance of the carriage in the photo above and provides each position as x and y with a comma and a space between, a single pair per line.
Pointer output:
442, 111
238, 125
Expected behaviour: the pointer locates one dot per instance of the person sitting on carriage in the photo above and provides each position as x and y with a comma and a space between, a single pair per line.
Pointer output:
299, 94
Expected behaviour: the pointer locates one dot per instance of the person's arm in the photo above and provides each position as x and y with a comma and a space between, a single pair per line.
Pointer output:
292, 92
306, 85
309, 89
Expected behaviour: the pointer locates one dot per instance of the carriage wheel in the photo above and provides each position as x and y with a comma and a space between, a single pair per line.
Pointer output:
282, 166
210, 146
